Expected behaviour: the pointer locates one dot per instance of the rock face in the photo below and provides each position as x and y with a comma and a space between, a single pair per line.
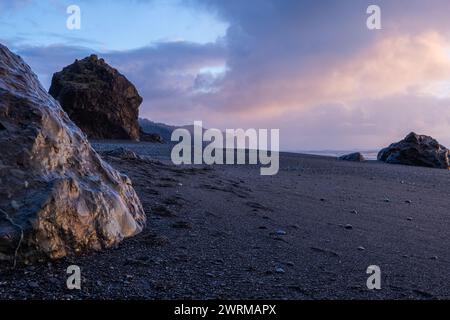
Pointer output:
57, 196
356, 157
417, 150
100, 100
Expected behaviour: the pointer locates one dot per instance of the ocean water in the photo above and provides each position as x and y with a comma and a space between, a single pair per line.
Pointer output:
369, 155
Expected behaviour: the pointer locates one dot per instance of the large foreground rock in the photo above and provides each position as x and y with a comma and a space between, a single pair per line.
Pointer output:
417, 150
100, 100
57, 196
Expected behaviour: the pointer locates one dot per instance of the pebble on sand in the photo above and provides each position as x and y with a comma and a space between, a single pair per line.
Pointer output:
279, 270
348, 227
281, 233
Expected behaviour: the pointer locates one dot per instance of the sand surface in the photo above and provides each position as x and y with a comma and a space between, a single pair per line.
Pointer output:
225, 232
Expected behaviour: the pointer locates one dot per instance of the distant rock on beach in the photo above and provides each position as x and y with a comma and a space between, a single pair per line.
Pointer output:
100, 100
355, 157
417, 150
58, 197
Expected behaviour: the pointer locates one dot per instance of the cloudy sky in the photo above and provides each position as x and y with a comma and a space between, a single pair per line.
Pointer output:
310, 68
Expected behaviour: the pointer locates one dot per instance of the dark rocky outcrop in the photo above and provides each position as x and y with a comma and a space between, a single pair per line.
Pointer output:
161, 130
417, 150
57, 196
100, 100
356, 157
122, 153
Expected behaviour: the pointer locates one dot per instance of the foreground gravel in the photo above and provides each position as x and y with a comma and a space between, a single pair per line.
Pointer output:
225, 232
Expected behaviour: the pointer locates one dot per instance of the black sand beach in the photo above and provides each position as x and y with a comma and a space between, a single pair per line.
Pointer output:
226, 232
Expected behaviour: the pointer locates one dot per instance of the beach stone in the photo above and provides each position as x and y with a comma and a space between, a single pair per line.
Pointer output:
280, 270
100, 100
122, 153
417, 150
355, 157
75, 202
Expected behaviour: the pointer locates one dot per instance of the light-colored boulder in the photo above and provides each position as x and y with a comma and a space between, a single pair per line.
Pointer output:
57, 196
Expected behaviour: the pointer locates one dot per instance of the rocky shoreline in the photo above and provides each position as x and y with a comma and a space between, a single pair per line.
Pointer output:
139, 227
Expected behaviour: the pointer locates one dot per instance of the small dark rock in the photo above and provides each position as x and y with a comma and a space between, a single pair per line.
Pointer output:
355, 157
150, 137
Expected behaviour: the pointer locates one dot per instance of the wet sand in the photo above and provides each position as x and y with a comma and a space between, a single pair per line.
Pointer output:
225, 232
